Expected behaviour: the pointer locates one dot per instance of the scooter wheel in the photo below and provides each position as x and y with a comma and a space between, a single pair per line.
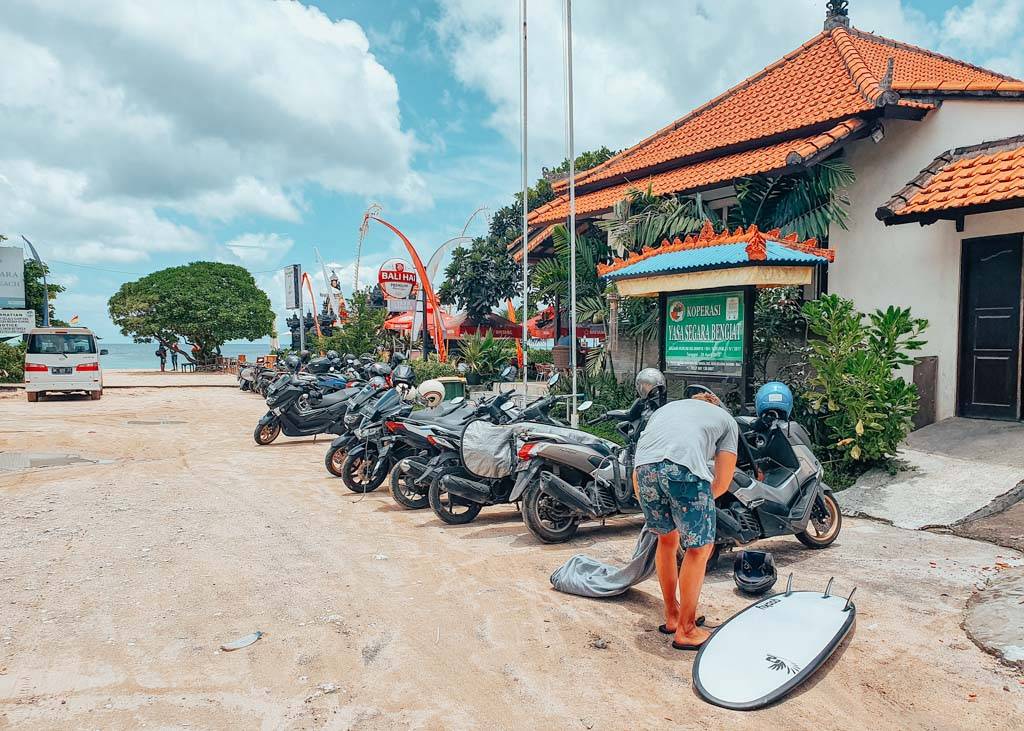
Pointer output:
457, 512
334, 460
826, 520
546, 518
354, 474
405, 492
266, 433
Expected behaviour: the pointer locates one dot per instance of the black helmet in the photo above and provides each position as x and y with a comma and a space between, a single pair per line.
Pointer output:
332, 354
754, 572
293, 362
403, 373
379, 369
305, 355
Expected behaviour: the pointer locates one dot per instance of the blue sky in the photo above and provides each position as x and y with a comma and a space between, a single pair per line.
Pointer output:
136, 136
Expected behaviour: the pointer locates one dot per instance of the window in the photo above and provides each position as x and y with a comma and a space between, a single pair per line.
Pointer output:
58, 344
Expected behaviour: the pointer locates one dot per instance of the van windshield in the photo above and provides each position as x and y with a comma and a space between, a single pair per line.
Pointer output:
61, 343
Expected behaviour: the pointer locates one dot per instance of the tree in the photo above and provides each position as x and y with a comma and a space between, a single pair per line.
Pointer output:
507, 222
35, 297
362, 330
480, 277
204, 303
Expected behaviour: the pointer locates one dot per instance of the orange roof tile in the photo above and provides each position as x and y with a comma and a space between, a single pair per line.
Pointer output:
842, 74
987, 175
702, 175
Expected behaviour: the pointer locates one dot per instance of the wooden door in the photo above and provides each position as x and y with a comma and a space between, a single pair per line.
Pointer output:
990, 328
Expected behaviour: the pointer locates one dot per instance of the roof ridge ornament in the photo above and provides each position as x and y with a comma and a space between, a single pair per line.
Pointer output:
837, 14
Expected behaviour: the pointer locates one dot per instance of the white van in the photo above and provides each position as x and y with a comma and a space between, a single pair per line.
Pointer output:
62, 359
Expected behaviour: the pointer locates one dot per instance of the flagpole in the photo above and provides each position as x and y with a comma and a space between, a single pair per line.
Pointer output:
574, 414
526, 212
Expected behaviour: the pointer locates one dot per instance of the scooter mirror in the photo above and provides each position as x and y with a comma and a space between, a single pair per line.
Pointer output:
553, 380
584, 406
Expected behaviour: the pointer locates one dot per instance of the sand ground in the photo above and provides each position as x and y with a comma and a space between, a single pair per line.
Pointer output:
120, 579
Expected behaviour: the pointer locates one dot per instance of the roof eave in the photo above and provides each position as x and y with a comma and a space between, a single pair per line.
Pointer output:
927, 218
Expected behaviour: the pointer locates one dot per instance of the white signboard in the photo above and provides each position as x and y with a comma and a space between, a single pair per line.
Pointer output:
17, 322
12, 277
401, 305
292, 289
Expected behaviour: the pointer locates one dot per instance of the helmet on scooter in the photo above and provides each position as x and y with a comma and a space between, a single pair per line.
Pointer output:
293, 362
305, 355
648, 381
774, 398
431, 391
332, 354
403, 373
754, 572
382, 370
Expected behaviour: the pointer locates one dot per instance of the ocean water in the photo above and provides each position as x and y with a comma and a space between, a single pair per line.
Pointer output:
141, 355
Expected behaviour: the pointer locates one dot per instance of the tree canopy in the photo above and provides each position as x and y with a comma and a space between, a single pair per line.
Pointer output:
362, 330
479, 277
204, 303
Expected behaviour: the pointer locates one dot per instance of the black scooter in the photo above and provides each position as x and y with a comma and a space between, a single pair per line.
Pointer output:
299, 409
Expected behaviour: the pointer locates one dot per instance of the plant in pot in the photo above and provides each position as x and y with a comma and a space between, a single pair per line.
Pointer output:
484, 356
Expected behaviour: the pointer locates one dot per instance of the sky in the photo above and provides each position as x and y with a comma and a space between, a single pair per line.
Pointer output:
140, 135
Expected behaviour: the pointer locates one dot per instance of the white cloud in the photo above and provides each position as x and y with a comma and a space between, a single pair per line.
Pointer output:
639, 68
210, 109
259, 249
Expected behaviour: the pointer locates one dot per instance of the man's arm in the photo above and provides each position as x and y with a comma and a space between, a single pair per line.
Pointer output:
725, 466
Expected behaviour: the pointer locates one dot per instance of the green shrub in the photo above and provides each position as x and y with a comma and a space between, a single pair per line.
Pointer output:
432, 368
857, 409
12, 362
537, 356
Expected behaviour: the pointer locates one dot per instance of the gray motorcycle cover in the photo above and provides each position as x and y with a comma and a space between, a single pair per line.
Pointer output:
487, 449
583, 576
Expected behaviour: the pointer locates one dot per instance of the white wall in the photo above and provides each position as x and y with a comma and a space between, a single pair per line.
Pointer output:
912, 265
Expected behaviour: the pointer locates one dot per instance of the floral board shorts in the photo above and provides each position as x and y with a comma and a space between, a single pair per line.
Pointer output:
673, 498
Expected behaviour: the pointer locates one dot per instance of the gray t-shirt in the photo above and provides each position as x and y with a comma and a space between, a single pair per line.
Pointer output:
689, 433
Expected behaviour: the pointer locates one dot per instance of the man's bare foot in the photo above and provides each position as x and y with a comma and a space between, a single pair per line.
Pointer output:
672, 618
695, 638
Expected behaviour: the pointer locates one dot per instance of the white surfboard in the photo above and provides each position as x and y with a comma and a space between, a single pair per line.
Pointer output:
769, 648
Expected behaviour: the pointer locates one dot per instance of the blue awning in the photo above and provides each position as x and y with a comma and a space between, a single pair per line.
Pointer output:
722, 256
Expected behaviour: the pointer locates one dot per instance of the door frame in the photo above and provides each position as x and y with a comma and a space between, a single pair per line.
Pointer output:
962, 306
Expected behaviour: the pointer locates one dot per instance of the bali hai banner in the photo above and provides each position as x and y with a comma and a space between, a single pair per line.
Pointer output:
704, 333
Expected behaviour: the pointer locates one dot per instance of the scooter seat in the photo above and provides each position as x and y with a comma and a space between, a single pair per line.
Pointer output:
333, 398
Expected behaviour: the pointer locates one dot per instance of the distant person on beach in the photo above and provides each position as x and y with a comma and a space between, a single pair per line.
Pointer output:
161, 353
174, 357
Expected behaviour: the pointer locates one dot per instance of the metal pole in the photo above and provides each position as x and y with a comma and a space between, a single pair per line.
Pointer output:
526, 212
302, 318
46, 287
574, 417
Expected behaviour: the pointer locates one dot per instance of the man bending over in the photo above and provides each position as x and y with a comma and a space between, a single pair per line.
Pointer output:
676, 487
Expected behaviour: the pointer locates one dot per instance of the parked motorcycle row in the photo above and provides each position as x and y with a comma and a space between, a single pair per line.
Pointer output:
461, 456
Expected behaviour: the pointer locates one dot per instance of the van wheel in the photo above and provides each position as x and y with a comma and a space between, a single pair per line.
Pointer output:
96, 395
32, 396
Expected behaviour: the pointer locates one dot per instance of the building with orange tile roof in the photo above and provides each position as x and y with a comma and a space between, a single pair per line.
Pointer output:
890, 109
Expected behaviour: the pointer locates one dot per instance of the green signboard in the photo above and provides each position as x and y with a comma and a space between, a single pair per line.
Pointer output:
704, 333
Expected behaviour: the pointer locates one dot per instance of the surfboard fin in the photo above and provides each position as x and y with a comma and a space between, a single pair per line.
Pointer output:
789, 585
849, 600
828, 589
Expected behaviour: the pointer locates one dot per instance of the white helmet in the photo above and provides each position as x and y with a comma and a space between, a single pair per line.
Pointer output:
431, 392
648, 380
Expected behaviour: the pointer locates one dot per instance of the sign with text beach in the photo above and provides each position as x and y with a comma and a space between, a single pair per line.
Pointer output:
12, 277
704, 333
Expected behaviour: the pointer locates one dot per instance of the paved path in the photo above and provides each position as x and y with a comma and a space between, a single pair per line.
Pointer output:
955, 470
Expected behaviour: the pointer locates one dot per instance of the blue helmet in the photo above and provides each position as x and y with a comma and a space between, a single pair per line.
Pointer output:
774, 396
